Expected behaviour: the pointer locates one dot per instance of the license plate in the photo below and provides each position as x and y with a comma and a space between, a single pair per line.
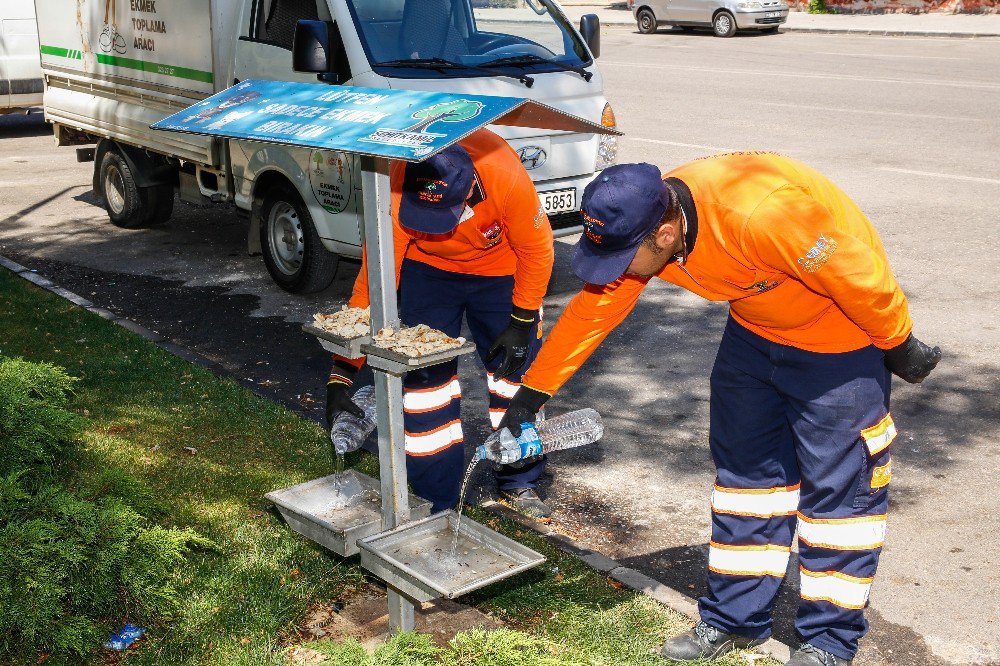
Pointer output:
558, 201
770, 14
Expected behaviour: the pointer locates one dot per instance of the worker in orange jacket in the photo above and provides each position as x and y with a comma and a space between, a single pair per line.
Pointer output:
470, 239
800, 428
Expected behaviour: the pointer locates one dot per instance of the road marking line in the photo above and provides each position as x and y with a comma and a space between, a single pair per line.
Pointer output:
869, 111
887, 55
976, 85
681, 145
931, 174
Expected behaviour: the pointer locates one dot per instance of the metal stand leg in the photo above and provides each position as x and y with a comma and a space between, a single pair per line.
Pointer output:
388, 388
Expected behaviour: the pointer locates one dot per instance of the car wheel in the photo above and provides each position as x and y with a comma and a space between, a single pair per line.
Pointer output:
293, 252
646, 21
128, 205
724, 25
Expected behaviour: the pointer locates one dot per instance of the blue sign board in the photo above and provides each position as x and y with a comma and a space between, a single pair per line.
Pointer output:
399, 124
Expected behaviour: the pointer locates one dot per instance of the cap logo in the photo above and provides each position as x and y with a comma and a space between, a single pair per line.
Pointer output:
589, 225
428, 191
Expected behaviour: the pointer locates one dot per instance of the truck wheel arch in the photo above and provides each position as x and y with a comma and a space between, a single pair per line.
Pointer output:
266, 182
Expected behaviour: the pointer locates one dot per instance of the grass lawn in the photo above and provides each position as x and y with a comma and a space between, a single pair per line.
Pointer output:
242, 605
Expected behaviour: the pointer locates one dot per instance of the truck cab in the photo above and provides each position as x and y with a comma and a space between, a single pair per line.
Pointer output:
305, 205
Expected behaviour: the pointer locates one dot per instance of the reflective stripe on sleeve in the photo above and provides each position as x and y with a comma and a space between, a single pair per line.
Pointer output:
426, 400
767, 560
756, 502
429, 443
863, 533
496, 415
879, 435
837, 588
501, 387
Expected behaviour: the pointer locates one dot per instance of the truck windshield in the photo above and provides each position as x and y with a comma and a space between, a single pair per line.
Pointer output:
412, 38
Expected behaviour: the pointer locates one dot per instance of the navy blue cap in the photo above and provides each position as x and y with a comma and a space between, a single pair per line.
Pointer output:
435, 191
620, 207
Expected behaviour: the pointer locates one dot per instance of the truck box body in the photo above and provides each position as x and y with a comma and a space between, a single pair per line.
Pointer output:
116, 66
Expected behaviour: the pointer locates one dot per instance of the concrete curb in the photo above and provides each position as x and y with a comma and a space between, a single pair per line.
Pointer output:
630, 578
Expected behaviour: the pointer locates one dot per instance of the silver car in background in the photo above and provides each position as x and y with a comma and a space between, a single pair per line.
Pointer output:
724, 17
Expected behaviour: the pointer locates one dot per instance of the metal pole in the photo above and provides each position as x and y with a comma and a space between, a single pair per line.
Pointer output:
377, 235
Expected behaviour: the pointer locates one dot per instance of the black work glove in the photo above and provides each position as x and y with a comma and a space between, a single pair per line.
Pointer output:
523, 408
912, 361
338, 391
514, 342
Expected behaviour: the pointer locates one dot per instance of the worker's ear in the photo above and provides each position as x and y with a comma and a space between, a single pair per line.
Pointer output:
666, 235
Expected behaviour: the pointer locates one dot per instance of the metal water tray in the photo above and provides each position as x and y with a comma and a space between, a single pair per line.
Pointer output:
314, 510
346, 347
415, 558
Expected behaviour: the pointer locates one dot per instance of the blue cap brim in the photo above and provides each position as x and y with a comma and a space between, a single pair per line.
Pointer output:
600, 267
428, 220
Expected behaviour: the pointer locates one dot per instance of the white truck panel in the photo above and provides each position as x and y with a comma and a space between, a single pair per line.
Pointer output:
20, 73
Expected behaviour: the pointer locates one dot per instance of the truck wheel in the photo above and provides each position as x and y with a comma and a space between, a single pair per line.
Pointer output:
293, 253
130, 206
724, 25
646, 21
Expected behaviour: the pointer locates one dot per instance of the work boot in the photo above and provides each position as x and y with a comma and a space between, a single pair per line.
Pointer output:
810, 655
704, 642
526, 501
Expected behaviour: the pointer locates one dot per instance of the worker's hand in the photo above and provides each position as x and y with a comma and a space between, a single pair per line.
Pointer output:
338, 399
514, 342
912, 361
523, 408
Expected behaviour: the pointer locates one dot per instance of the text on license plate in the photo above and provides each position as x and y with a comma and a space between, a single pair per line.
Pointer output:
769, 14
558, 201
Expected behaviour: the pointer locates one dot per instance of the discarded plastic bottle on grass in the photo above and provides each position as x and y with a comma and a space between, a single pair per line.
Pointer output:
349, 432
567, 431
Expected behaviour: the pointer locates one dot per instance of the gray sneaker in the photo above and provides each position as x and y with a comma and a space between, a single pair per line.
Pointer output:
810, 655
704, 642
526, 501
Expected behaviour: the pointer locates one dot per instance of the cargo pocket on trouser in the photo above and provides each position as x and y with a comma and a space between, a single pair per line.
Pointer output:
876, 469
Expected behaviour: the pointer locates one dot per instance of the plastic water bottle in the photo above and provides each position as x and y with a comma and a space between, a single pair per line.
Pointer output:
349, 432
584, 426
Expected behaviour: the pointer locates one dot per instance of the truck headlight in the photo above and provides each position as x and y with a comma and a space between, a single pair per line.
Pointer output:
607, 150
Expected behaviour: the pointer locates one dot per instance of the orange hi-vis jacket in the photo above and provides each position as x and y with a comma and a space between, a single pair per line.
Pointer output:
509, 234
798, 261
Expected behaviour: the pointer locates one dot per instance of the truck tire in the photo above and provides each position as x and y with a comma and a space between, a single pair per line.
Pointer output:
645, 21
128, 205
292, 250
724, 25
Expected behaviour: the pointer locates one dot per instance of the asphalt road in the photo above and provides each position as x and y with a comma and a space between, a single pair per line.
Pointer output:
908, 126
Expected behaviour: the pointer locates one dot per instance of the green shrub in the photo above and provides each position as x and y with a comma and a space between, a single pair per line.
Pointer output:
36, 429
818, 7
73, 567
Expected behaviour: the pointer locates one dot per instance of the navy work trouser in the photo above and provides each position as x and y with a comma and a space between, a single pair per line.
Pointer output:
435, 452
800, 440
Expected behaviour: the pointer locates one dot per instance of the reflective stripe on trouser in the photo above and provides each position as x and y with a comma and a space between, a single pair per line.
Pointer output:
800, 440
431, 396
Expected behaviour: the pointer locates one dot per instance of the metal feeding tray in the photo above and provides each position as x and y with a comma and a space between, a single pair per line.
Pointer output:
416, 558
346, 347
395, 363
337, 510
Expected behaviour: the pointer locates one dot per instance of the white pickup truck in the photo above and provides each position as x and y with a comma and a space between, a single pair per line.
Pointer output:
113, 67
20, 73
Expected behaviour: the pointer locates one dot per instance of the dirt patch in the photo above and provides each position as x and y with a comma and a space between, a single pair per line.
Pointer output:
366, 620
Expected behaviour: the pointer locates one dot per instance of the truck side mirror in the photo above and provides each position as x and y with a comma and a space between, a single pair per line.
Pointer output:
590, 29
313, 49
